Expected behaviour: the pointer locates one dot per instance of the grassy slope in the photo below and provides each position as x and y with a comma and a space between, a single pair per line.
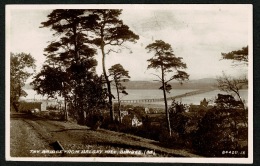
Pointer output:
76, 137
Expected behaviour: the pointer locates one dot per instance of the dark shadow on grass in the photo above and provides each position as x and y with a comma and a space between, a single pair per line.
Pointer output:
25, 116
33, 117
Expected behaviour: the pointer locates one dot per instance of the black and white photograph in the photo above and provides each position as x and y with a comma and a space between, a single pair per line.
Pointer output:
160, 83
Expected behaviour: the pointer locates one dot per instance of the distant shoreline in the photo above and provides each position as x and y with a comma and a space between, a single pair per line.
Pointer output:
204, 83
148, 105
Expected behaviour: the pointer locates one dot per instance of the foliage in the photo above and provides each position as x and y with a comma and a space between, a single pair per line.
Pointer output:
56, 115
51, 81
22, 67
51, 107
69, 69
119, 74
110, 33
146, 131
232, 85
171, 141
220, 126
28, 106
91, 98
228, 101
178, 118
237, 55
51, 115
165, 60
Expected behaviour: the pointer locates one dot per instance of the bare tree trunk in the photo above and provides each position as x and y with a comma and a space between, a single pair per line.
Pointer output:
65, 111
166, 105
167, 112
119, 104
108, 85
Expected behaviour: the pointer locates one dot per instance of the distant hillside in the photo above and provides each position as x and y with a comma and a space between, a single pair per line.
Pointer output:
192, 84
204, 83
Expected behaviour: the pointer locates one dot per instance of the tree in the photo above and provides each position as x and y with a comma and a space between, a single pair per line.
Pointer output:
119, 74
178, 119
232, 85
110, 33
69, 56
227, 83
221, 127
52, 81
237, 56
22, 67
165, 60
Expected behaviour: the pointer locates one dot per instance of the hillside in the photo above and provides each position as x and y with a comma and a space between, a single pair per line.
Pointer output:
79, 141
192, 84
204, 83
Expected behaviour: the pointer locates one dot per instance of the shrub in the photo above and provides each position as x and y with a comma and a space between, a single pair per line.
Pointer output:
51, 107
217, 132
169, 141
224, 127
94, 121
56, 115
26, 107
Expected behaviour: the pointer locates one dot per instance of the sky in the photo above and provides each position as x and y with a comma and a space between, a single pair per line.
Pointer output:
197, 33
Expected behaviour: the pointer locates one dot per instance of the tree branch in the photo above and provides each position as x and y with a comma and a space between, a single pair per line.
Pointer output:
157, 76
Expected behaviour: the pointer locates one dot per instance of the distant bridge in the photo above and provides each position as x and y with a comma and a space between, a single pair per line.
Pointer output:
168, 98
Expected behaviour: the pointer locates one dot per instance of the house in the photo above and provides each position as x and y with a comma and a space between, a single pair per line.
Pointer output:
136, 122
146, 110
44, 106
132, 120
124, 113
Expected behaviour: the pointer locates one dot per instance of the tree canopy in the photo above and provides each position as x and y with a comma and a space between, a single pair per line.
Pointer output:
232, 85
69, 69
119, 74
237, 55
165, 60
22, 67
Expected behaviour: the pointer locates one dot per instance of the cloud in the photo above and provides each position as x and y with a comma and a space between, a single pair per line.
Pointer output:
197, 33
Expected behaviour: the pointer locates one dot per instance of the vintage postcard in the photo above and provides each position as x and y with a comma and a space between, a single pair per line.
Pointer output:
129, 83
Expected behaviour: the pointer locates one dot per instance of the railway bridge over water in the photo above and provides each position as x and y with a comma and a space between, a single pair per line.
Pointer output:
192, 93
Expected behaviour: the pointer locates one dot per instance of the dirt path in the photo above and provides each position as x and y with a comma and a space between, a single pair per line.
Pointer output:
24, 139
32, 136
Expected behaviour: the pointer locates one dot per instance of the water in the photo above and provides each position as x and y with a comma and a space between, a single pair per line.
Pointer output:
135, 94
209, 96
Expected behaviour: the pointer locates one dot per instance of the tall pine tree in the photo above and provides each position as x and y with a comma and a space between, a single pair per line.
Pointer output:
167, 63
70, 56
110, 33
